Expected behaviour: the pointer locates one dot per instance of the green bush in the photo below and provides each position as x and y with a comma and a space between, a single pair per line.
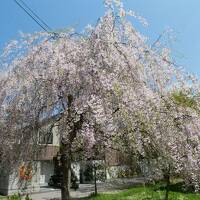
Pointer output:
15, 197
27, 197
18, 197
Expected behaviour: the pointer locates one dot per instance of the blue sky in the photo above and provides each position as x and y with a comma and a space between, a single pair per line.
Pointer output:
182, 16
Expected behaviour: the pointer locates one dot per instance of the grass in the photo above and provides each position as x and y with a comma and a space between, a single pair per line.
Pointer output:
147, 193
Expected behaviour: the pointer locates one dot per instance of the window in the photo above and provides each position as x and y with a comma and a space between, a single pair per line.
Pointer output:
45, 137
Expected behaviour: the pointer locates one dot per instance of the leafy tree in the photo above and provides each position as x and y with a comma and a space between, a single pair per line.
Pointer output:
99, 87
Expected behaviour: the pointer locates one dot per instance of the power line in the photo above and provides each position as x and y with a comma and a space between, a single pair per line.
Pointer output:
33, 16
34, 13
30, 15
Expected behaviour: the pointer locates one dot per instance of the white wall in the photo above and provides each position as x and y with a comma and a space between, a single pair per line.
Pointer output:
56, 136
113, 172
76, 169
10, 183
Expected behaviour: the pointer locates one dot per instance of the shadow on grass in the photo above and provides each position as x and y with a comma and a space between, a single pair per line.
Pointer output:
176, 187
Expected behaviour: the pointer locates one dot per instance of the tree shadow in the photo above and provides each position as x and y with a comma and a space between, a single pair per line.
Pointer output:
176, 187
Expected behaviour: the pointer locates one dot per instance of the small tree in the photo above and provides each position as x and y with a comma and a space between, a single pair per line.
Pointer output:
166, 137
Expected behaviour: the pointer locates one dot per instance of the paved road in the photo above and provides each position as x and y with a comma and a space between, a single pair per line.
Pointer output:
86, 189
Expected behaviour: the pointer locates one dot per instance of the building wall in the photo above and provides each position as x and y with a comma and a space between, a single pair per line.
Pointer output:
76, 169
114, 172
4, 184
11, 183
46, 171
56, 137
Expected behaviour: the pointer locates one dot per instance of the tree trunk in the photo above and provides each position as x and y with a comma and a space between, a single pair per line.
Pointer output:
167, 178
66, 170
66, 150
95, 180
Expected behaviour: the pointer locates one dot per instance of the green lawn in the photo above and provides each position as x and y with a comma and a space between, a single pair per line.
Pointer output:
145, 193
